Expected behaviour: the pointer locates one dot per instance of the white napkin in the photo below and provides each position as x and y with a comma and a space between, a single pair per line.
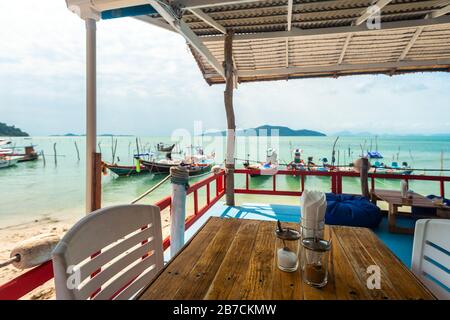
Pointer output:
313, 207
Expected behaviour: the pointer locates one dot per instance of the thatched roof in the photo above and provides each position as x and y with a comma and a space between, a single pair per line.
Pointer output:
283, 39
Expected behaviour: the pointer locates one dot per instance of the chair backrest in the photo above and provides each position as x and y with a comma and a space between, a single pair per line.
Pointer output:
431, 255
111, 253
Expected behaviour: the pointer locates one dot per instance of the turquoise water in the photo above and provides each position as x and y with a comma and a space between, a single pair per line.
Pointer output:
31, 190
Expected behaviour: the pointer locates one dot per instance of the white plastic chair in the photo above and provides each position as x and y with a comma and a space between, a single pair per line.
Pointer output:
431, 255
111, 253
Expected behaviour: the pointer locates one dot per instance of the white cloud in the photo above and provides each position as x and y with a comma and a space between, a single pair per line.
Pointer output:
149, 84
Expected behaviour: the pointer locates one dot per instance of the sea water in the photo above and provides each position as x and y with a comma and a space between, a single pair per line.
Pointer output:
32, 190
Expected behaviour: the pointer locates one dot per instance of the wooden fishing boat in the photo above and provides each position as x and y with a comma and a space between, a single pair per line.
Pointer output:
394, 168
160, 166
29, 155
125, 171
163, 167
197, 169
161, 147
267, 168
6, 162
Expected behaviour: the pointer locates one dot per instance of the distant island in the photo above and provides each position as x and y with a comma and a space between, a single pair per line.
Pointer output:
282, 132
11, 131
83, 135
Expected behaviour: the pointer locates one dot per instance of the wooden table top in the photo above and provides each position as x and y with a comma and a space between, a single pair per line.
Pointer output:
235, 259
395, 197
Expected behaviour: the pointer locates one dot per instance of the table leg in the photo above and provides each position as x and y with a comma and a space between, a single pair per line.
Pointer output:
392, 218
392, 221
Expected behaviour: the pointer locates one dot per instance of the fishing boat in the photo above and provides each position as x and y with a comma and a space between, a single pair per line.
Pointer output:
297, 164
374, 155
29, 154
161, 147
312, 166
4, 142
6, 161
197, 163
267, 168
394, 168
125, 171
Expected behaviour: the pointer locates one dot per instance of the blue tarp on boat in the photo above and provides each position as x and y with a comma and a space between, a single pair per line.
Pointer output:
374, 155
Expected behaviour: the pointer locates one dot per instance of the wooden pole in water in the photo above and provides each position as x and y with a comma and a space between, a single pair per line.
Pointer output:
43, 156
364, 176
78, 151
54, 152
231, 126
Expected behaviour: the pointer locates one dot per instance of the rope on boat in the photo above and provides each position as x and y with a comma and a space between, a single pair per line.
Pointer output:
146, 193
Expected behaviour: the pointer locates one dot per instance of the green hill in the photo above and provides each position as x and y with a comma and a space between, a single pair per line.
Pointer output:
267, 130
11, 131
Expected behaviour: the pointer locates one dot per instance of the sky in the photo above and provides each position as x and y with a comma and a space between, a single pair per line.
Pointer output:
149, 84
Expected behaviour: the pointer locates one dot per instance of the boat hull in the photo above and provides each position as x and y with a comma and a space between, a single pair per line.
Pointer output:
124, 171
6, 163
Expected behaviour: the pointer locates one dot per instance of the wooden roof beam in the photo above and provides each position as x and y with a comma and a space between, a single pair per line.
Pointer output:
343, 67
289, 14
197, 4
411, 42
439, 13
181, 27
208, 20
344, 48
326, 32
371, 11
156, 22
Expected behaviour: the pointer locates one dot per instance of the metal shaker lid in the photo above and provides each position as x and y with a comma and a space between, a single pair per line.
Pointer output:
287, 233
314, 244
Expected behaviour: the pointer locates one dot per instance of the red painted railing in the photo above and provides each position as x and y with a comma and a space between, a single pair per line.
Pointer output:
335, 179
34, 278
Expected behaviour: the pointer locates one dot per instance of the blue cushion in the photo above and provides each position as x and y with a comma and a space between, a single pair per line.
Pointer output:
348, 210
419, 212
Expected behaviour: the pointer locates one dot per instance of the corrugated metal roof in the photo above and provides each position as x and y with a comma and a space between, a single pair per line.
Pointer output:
324, 41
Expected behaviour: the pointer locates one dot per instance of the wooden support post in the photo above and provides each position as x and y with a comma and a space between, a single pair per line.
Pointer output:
179, 178
97, 182
231, 126
364, 175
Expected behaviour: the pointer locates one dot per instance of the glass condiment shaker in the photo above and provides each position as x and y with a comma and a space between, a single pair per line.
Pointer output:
287, 248
314, 261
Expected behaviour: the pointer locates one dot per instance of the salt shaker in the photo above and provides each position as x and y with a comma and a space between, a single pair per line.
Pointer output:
287, 248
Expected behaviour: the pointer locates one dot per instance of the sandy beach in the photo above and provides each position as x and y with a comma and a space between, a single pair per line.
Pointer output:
10, 236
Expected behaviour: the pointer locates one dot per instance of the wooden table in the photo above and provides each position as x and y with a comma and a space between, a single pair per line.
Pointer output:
235, 259
395, 200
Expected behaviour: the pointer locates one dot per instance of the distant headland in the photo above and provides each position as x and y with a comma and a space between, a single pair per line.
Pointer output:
267, 130
11, 131
83, 135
